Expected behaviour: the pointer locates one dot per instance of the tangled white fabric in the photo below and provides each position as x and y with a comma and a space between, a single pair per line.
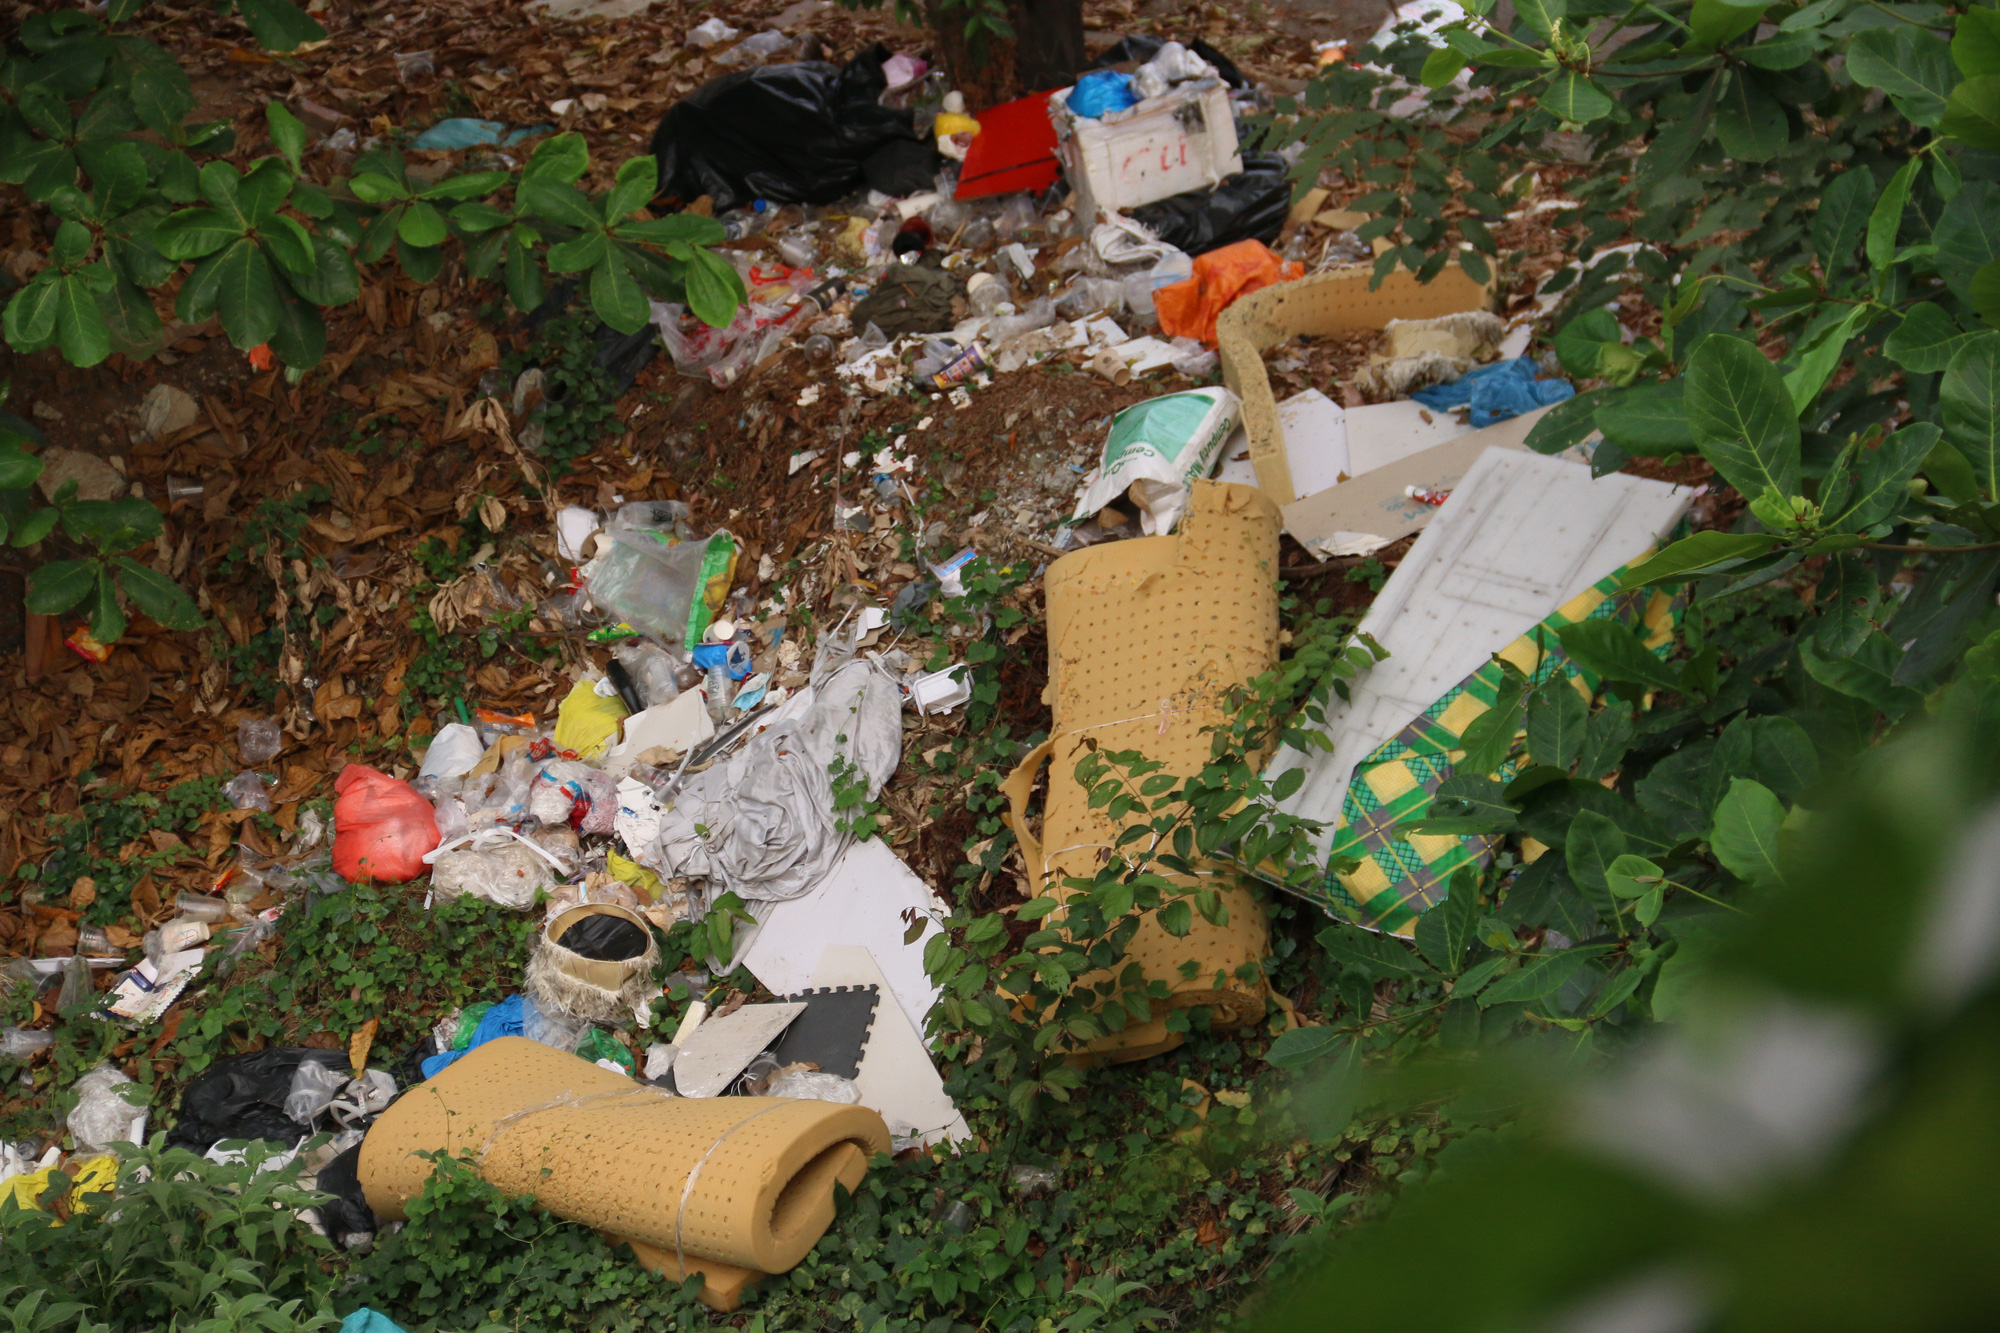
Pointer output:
761, 824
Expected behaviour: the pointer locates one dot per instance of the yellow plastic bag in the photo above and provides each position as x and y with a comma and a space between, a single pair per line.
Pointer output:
587, 721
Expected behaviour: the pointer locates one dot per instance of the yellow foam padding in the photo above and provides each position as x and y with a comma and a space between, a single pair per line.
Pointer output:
723, 1286
1146, 638
1337, 301
600, 1149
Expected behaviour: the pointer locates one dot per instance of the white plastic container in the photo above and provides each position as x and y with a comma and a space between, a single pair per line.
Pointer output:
1162, 147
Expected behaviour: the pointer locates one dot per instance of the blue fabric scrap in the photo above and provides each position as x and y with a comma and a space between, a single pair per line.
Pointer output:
1497, 392
464, 132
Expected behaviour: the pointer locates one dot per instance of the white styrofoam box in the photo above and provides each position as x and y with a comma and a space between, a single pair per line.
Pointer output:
1162, 147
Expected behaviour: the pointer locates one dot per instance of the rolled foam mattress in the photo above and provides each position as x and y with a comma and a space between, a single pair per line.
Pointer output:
740, 1181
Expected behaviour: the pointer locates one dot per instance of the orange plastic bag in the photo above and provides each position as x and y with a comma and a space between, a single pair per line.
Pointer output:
382, 827
1189, 309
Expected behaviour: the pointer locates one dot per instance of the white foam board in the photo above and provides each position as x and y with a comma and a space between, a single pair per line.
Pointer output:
721, 1047
897, 1076
1520, 536
863, 902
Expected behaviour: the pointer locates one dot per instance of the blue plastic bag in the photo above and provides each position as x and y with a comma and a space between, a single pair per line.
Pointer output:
1101, 92
504, 1019
1497, 392
464, 132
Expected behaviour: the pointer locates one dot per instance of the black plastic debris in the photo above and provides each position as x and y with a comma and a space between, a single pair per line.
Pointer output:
604, 937
1249, 206
243, 1097
806, 132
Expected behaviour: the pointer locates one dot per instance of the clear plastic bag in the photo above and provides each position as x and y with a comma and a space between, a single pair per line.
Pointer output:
650, 584
814, 1086
258, 740
1039, 314
755, 49
499, 866
246, 791
102, 1116
454, 751
548, 1027
20, 1043
712, 32
314, 1086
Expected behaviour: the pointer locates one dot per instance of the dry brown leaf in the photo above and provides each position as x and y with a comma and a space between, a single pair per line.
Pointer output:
359, 1044
82, 893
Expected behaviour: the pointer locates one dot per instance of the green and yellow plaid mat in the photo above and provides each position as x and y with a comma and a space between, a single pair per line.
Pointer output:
1397, 879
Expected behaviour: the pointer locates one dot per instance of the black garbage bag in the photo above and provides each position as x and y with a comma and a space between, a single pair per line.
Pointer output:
347, 1216
1139, 48
800, 133
243, 1097
607, 938
1251, 205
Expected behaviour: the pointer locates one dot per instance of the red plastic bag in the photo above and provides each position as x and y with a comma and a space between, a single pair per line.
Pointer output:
382, 827
1189, 309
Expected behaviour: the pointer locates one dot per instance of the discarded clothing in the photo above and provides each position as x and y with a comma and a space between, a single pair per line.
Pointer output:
1249, 206
911, 298
1496, 392
793, 133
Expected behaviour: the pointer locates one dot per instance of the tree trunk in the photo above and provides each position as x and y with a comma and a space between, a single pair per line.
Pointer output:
1045, 52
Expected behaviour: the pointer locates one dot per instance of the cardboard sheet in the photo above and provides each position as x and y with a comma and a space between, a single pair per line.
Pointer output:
1375, 508
756, 1173
897, 1077
869, 900
1315, 442
1521, 535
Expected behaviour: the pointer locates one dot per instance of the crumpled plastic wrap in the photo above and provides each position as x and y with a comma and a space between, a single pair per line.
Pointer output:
102, 1116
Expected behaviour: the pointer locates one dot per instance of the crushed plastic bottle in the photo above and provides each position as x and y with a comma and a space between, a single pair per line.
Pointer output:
258, 740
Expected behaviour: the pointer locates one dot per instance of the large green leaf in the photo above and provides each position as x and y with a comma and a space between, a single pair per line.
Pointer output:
288, 132
246, 294
1842, 219
264, 190
194, 232
637, 179
689, 227
1576, 98
372, 187
1970, 394
19, 469
1924, 342
1568, 423
30, 320
1541, 975
579, 253
334, 281
1743, 417
157, 595
59, 585
290, 244
81, 333
1745, 836
161, 97
1373, 955
1975, 44
1446, 930
561, 157
1858, 680
1608, 650
422, 225
1823, 355
471, 185
1849, 596
1884, 476
1557, 717
1885, 220
300, 338
616, 296
1649, 420
279, 25
421, 263
129, 315
1912, 65
107, 618
522, 276
554, 201
1541, 16
1973, 113
1714, 23
1965, 236
714, 289
1749, 122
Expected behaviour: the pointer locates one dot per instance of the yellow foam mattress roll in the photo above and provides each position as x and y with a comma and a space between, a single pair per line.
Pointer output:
741, 1181
1146, 639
